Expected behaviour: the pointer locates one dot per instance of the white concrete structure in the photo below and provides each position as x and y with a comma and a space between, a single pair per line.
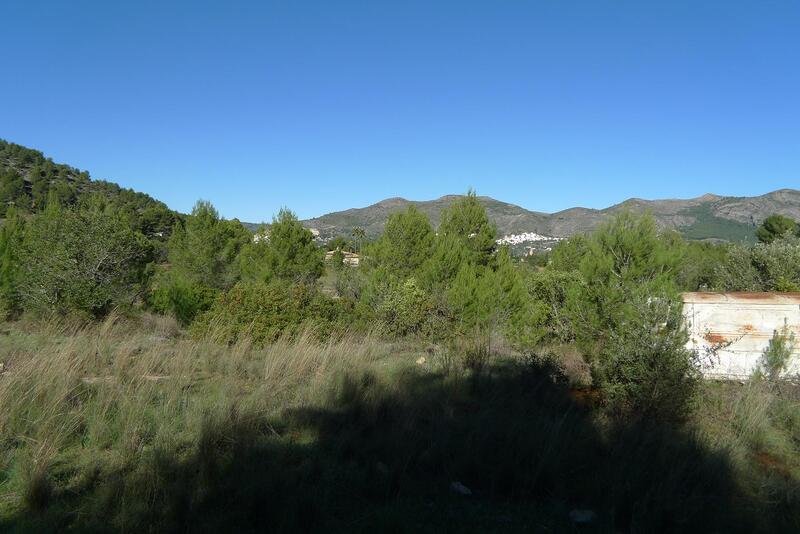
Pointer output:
739, 326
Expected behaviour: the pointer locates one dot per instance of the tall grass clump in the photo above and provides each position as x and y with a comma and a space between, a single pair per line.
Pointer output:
88, 407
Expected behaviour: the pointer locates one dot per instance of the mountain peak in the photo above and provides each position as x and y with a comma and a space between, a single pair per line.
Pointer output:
709, 216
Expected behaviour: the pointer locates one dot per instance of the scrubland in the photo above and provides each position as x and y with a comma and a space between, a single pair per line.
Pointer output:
130, 425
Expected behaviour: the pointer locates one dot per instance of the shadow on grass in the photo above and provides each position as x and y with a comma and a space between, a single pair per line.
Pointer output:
385, 458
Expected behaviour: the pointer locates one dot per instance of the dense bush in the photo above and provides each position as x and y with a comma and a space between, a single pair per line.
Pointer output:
11, 234
407, 309
180, 298
776, 227
287, 252
645, 368
204, 247
83, 261
763, 267
624, 258
551, 288
264, 312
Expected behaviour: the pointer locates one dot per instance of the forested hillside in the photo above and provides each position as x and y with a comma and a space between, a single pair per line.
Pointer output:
28, 179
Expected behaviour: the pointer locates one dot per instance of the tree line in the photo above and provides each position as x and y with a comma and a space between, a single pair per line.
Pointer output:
613, 293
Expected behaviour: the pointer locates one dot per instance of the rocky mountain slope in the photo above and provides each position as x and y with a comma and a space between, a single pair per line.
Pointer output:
706, 217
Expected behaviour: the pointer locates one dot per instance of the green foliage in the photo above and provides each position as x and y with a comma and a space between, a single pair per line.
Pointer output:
80, 261
466, 220
645, 368
448, 255
763, 267
550, 288
568, 254
522, 319
181, 298
288, 253
776, 227
359, 235
622, 259
777, 356
264, 312
699, 266
404, 245
485, 299
407, 309
203, 248
70, 187
12, 191
341, 244
709, 226
350, 282
11, 235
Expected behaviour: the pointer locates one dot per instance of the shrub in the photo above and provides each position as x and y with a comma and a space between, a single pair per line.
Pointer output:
288, 253
265, 312
203, 247
81, 261
407, 309
551, 288
645, 368
776, 227
777, 356
181, 299
763, 267
625, 257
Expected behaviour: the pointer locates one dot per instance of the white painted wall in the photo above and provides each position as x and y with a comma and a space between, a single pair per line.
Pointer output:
744, 323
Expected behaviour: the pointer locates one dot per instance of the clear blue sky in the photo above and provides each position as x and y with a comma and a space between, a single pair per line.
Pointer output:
321, 106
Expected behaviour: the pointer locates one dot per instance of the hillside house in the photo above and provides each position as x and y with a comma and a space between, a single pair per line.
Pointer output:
350, 258
735, 328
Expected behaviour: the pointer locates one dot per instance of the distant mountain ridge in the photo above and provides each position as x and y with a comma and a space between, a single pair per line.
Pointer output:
706, 217
27, 177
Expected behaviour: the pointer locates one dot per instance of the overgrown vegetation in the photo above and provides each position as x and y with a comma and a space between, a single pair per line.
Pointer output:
129, 425
199, 377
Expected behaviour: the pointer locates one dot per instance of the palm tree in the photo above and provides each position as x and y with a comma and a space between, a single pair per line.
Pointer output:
358, 235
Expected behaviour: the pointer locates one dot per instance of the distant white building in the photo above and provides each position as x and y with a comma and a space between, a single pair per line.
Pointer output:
349, 258
525, 237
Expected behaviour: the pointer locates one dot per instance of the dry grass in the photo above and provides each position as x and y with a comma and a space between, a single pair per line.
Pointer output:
116, 389
129, 423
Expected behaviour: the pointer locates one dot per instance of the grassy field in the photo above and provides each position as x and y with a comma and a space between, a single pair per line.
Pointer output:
129, 426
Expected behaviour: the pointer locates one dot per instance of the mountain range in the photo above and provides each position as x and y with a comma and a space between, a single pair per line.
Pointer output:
27, 177
706, 217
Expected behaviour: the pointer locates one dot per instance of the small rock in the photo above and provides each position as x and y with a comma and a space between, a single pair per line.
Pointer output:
582, 517
421, 360
460, 488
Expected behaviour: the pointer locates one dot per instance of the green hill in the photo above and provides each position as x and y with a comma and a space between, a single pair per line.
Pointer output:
28, 179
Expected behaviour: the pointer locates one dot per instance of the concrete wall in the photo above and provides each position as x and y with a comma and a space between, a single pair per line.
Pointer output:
741, 324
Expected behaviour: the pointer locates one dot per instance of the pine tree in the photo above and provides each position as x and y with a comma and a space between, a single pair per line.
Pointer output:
467, 220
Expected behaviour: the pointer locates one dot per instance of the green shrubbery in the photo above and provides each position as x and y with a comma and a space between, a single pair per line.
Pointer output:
180, 298
644, 369
267, 311
620, 301
80, 261
777, 356
166, 435
407, 309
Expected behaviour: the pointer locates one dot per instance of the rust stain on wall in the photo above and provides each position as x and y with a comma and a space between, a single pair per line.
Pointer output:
715, 338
